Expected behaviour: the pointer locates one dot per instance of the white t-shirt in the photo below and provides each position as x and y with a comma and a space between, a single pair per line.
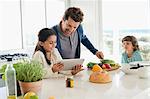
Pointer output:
55, 57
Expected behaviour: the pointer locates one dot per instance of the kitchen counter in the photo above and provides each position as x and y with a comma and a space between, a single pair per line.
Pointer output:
122, 87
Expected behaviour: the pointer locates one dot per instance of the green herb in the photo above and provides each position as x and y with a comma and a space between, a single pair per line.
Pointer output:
30, 71
26, 71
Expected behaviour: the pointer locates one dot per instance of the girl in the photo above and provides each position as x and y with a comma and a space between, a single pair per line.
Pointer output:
48, 55
131, 47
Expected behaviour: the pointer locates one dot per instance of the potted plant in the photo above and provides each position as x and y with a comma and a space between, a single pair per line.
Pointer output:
30, 75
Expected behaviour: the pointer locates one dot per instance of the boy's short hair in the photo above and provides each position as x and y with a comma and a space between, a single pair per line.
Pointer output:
133, 40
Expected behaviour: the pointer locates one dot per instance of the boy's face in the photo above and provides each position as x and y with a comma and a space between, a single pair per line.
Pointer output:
127, 45
69, 26
49, 44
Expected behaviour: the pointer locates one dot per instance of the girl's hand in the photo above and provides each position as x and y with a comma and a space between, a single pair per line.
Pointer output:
76, 69
57, 67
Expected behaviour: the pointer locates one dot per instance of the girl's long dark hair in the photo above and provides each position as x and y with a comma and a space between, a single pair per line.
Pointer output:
43, 36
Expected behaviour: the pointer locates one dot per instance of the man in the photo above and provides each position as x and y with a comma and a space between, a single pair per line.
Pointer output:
70, 35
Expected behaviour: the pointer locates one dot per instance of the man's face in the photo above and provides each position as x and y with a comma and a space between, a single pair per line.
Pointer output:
69, 26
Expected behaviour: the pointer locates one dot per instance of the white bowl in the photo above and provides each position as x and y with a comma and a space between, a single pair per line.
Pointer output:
126, 69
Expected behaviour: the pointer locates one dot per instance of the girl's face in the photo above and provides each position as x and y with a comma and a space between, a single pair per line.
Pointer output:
49, 44
127, 45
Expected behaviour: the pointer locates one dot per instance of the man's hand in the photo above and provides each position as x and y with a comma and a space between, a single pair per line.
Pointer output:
57, 67
76, 69
99, 54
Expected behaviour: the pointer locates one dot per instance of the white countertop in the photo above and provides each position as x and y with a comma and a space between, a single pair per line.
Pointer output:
122, 87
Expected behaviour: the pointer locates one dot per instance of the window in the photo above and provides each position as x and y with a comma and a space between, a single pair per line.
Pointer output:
10, 25
108, 21
127, 17
37, 15
54, 18
21, 20
33, 19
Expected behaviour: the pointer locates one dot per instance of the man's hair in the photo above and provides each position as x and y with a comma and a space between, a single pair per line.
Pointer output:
74, 13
